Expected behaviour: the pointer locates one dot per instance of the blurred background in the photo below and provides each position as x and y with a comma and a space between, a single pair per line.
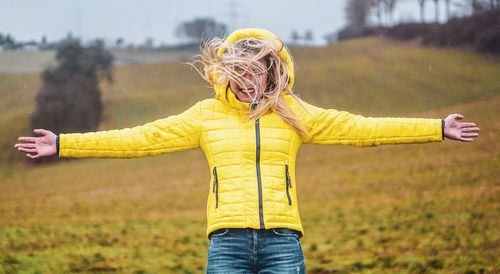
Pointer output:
79, 66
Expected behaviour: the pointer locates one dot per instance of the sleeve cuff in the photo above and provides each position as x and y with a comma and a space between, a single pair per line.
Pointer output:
442, 129
57, 145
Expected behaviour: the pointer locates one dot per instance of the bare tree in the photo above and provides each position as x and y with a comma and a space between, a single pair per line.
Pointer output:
119, 42
477, 6
357, 12
480, 6
308, 36
422, 10
377, 4
200, 28
448, 13
389, 6
330, 38
295, 37
436, 10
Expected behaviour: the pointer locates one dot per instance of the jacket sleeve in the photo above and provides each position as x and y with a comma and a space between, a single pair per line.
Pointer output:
330, 126
174, 133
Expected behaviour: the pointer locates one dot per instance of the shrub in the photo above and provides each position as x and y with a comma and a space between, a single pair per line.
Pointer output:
70, 99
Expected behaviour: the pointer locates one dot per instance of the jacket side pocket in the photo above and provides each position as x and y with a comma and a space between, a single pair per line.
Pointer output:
288, 184
215, 187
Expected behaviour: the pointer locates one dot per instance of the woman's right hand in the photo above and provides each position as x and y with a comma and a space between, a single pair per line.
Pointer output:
37, 147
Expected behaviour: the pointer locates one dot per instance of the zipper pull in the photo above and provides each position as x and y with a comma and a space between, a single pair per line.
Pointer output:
288, 179
216, 188
214, 172
288, 184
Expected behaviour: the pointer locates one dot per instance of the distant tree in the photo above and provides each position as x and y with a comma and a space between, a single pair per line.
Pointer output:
436, 10
149, 43
383, 8
421, 3
119, 42
7, 41
475, 6
389, 6
70, 98
482, 6
378, 5
309, 36
199, 29
448, 12
357, 12
295, 37
330, 38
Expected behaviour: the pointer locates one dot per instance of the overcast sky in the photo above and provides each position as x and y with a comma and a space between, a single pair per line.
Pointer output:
135, 20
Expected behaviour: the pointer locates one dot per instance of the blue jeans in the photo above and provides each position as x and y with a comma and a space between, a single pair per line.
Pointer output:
246, 250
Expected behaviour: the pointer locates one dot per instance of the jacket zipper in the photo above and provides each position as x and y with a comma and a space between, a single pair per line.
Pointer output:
215, 188
288, 184
257, 165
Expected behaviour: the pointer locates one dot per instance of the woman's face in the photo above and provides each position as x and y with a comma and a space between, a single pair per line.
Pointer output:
246, 93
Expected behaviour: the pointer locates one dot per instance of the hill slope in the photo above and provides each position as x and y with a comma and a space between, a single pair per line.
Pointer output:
370, 76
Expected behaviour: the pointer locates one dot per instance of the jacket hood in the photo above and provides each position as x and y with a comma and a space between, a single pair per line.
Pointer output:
223, 91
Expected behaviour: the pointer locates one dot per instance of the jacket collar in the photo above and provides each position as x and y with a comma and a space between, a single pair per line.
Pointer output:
224, 94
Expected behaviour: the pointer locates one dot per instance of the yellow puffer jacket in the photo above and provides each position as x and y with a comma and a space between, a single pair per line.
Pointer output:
252, 163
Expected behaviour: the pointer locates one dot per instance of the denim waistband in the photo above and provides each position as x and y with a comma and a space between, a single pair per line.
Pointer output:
263, 232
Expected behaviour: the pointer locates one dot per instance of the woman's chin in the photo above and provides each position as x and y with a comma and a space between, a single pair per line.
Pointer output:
244, 97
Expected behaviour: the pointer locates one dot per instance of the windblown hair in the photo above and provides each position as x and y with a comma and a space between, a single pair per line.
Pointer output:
244, 58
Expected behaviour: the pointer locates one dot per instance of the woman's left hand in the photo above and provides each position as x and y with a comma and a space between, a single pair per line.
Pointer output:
458, 131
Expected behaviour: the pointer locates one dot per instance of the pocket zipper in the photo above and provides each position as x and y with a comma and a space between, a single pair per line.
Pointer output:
215, 188
288, 184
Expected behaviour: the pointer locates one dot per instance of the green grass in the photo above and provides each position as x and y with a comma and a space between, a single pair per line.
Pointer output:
428, 208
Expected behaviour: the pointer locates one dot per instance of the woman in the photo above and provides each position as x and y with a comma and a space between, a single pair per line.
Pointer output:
250, 133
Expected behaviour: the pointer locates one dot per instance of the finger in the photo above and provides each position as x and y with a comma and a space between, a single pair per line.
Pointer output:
31, 150
470, 134
25, 145
462, 125
27, 139
470, 129
466, 139
33, 156
458, 116
40, 131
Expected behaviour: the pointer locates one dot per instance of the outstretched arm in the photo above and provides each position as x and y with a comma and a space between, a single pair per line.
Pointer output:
330, 126
174, 133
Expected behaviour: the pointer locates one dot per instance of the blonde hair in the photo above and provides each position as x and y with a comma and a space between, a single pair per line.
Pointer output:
243, 57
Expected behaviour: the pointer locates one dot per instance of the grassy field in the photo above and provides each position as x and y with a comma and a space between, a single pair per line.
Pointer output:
25, 61
428, 208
